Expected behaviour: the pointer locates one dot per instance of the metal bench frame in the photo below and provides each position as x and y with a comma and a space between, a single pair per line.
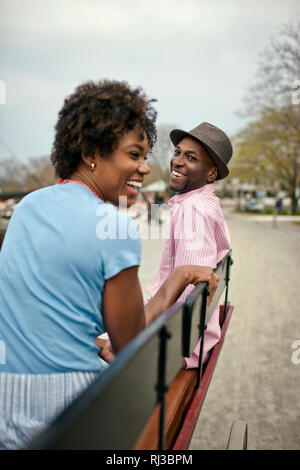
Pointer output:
112, 413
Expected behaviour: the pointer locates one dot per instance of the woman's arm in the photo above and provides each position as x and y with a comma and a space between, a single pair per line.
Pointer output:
123, 308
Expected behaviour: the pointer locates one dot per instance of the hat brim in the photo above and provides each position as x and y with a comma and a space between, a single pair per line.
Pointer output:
177, 135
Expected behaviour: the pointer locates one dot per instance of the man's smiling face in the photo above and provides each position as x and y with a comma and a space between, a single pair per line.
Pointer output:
191, 166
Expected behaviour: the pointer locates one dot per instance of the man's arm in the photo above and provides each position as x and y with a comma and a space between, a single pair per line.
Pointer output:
123, 310
175, 284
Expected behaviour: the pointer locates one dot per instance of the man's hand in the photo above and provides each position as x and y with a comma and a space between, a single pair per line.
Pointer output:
106, 352
174, 285
198, 274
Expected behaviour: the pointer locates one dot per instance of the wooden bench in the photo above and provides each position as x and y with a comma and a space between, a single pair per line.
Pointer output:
145, 399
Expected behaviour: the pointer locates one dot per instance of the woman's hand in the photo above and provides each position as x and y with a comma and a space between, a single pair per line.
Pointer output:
106, 352
196, 274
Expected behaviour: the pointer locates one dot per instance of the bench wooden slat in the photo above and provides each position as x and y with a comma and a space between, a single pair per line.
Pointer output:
192, 413
193, 307
178, 396
183, 403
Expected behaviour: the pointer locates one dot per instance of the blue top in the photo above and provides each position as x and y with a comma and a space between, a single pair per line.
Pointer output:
61, 244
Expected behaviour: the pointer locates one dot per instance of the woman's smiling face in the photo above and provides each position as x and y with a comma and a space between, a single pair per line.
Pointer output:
121, 173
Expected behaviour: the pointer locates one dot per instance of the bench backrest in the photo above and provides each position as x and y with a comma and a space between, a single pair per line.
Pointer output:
112, 412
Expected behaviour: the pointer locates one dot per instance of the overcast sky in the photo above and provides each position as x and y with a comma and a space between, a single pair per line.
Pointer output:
195, 57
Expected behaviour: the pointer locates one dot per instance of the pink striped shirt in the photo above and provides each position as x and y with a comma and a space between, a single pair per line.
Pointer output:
198, 234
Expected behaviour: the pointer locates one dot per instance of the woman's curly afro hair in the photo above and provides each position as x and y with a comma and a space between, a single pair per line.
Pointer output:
95, 117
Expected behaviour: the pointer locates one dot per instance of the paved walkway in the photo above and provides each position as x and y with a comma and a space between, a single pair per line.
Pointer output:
255, 378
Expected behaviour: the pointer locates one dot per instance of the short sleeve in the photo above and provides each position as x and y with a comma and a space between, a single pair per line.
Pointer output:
120, 240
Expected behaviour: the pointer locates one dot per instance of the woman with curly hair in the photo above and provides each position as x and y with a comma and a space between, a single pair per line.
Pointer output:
69, 261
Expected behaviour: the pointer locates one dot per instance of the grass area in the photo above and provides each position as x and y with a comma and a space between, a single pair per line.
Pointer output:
284, 212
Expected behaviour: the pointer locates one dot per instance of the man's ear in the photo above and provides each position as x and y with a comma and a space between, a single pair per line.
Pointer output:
212, 175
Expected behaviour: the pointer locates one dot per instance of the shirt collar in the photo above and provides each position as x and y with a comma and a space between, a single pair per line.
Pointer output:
207, 190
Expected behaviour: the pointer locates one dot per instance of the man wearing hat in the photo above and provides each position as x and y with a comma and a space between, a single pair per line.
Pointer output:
198, 233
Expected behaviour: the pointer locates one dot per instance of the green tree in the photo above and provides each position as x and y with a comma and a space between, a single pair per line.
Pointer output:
268, 150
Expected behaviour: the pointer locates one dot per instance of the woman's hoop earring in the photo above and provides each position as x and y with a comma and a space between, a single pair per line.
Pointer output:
93, 166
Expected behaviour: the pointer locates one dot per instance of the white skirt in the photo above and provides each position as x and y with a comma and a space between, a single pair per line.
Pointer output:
28, 403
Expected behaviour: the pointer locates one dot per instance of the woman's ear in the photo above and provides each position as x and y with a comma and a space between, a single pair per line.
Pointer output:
212, 175
89, 160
